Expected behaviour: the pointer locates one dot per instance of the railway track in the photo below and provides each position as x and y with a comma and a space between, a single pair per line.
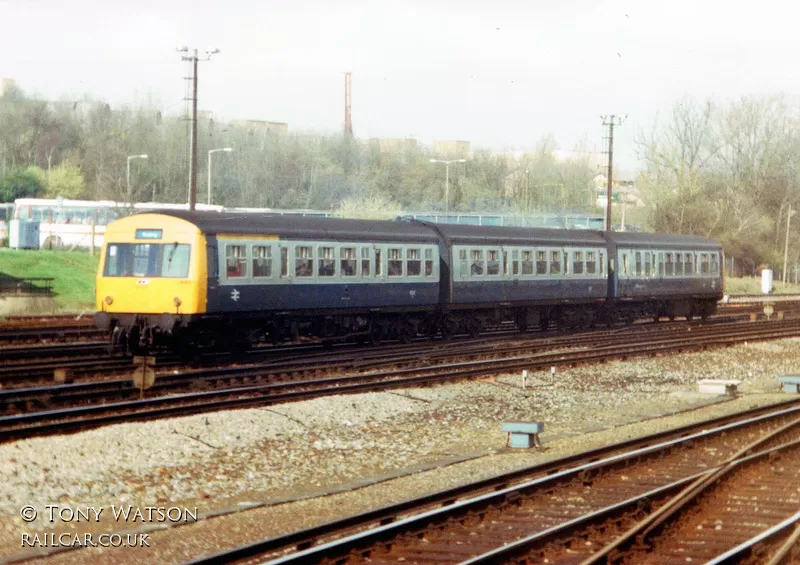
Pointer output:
725, 487
71, 407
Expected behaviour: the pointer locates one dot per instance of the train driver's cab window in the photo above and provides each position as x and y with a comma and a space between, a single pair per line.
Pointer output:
429, 262
714, 264
477, 262
413, 263
541, 262
347, 261
515, 261
327, 262
235, 261
669, 264
591, 262
555, 262
395, 262
527, 262
262, 261
493, 262
303, 261
577, 262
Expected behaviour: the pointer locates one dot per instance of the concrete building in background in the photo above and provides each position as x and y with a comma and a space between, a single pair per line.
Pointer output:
399, 145
261, 127
451, 149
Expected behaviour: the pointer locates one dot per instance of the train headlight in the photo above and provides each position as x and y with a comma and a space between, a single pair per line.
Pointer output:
108, 300
176, 301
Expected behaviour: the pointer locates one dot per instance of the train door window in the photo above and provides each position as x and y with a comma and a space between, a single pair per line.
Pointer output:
395, 262
348, 265
647, 264
577, 262
378, 263
639, 271
541, 262
566, 263
365, 260
668, 263
527, 262
327, 262
413, 263
462, 260
303, 261
493, 262
515, 261
704, 264
624, 264
505, 263
688, 264
284, 261
429, 262
262, 261
714, 264
591, 263
477, 262
235, 261
555, 262
601, 260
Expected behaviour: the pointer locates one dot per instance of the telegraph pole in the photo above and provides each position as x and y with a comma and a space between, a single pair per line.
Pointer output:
193, 59
611, 120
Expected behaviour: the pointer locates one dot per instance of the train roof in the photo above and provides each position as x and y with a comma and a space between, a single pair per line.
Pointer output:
305, 227
461, 234
638, 239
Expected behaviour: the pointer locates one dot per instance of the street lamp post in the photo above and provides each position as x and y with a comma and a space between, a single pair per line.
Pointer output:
128, 175
226, 150
447, 182
786, 245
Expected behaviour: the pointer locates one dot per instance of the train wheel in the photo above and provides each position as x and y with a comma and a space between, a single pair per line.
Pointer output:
544, 323
474, 328
376, 334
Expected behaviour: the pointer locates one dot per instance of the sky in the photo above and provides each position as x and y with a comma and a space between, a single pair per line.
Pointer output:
502, 75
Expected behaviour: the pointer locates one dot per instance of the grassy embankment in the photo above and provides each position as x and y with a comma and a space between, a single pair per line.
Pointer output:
73, 273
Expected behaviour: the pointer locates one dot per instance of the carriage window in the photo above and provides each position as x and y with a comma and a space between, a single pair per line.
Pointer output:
284, 261
591, 264
365, 267
327, 262
668, 262
395, 260
555, 262
477, 262
347, 262
647, 267
235, 261
378, 263
704, 264
527, 262
413, 263
541, 262
577, 262
262, 261
624, 264
493, 263
688, 264
566, 263
638, 263
678, 264
303, 261
429, 262
515, 262
660, 264
714, 264
462, 256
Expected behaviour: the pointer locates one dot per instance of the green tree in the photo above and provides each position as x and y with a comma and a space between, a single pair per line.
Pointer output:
17, 182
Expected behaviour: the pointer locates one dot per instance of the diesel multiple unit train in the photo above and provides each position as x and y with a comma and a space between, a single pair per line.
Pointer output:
215, 279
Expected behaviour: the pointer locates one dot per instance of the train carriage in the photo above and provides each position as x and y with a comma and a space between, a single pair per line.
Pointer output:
247, 277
